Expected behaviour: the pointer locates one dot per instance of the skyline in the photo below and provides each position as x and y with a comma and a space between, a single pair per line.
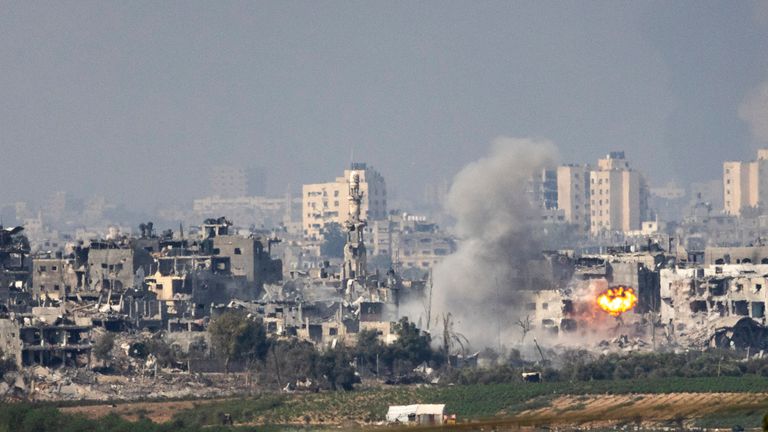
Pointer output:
134, 102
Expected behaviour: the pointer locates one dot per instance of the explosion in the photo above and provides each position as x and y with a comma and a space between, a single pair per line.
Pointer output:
617, 300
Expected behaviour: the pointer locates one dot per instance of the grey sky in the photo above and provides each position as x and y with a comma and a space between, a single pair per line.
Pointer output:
133, 100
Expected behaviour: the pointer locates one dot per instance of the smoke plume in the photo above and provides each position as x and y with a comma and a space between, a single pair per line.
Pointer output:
497, 225
754, 111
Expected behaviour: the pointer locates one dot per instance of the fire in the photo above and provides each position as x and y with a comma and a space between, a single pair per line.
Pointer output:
617, 300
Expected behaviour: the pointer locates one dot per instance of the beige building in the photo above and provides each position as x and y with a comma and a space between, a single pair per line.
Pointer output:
573, 194
324, 203
745, 184
617, 201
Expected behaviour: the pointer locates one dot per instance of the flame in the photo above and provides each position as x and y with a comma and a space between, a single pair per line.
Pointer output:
617, 300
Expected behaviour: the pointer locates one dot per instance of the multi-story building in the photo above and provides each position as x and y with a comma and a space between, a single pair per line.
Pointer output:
618, 196
249, 210
411, 241
250, 257
113, 265
573, 195
745, 184
228, 182
543, 189
324, 203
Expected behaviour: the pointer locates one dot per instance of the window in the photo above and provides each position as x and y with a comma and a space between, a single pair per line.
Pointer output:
55, 287
42, 268
238, 251
54, 268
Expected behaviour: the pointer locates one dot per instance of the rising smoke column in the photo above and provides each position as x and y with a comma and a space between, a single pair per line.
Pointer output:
497, 225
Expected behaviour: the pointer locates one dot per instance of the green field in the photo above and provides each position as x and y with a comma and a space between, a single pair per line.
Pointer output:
348, 409
468, 402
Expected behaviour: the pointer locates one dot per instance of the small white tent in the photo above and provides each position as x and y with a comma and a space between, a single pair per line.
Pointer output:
426, 414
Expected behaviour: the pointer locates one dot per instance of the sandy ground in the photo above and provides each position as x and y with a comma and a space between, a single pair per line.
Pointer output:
601, 410
158, 412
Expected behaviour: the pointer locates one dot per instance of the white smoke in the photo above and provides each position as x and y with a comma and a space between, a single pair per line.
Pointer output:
496, 224
754, 111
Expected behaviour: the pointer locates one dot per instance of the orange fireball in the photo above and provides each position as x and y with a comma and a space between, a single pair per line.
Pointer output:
617, 300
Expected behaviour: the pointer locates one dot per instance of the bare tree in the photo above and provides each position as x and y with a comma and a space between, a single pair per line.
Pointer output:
525, 327
451, 338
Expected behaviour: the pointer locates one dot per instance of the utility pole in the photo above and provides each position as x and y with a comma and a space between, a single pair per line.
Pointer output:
429, 301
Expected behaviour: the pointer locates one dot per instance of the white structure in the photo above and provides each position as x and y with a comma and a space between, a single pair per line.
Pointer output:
419, 414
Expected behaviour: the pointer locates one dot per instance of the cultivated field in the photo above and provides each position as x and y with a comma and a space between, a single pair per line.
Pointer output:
666, 403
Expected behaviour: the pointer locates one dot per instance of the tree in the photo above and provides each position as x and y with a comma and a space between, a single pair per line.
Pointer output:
235, 336
525, 327
103, 346
411, 345
290, 360
335, 366
369, 349
333, 241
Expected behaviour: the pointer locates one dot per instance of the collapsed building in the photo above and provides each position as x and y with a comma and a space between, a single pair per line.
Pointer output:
718, 305
14, 262
563, 299
46, 336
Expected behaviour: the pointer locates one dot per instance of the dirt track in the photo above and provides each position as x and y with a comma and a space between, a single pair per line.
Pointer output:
602, 409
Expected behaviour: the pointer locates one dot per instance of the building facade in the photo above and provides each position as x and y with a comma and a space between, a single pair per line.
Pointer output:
325, 203
745, 184
573, 195
617, 196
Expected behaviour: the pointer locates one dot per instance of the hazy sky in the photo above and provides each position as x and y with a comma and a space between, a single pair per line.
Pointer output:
133, 100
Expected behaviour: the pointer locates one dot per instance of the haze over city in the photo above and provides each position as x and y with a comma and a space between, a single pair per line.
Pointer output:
134, 101
329, 215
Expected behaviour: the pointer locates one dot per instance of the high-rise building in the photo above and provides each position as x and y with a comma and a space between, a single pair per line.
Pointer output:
542, 189
228, 182
573, 195
745, 184
618, 196
324, 203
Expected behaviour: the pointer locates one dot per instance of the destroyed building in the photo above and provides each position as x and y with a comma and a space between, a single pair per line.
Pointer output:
46, 336
565, 300
119, 264
14, 261
699, 302
249, 256
57, 276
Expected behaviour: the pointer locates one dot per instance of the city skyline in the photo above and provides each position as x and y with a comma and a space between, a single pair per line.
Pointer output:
134, 102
